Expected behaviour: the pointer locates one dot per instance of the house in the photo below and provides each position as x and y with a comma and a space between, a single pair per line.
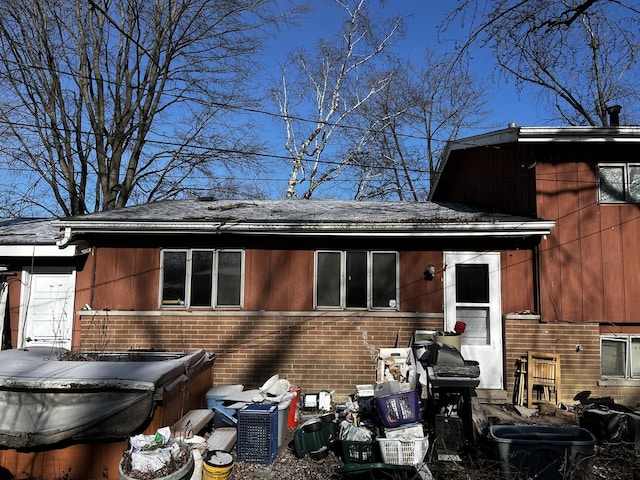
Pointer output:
582, 277
529, 238
539, 221
306, 289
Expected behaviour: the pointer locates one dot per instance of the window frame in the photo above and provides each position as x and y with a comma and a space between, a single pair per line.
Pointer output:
188, 278
370, 254
626, 167
628, 340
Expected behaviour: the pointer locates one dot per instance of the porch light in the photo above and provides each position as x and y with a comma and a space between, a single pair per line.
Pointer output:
429, 272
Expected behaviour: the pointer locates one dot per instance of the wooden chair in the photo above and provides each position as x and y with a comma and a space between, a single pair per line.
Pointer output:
543, 378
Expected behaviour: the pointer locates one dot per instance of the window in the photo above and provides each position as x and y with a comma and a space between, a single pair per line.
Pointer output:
201, 278
619, 183
620, 356
356, 279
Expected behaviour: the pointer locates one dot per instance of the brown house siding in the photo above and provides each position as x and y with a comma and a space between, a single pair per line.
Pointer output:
499, 178
587, 274
275, 280
517, 281
277, 331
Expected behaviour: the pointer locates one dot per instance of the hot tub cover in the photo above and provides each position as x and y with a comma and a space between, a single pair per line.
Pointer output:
45, 401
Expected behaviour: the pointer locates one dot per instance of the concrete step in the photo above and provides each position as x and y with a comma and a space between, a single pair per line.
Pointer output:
491, 396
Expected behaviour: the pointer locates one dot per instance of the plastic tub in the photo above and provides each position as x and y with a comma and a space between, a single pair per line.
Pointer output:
215, 397
543, 452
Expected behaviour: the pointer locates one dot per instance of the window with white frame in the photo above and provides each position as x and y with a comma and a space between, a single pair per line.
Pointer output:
356, 279
620, 356
619, 183
201, 278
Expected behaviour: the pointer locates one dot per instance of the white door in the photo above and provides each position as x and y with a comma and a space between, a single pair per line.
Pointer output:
46, 315
472, 296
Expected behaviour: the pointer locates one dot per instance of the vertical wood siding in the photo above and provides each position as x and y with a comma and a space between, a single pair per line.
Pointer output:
588, 261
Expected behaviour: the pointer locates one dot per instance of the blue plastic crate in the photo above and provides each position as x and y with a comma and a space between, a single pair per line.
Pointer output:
257, 434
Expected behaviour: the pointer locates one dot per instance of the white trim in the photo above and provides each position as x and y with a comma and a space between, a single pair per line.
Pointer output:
309, 315
25, 298
369, 281
214, 278
491, 355
38, 251
492, 226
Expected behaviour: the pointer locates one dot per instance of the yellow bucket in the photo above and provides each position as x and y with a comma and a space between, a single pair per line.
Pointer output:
217, 465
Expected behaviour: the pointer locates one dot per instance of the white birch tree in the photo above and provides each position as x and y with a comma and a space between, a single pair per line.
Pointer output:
321, 92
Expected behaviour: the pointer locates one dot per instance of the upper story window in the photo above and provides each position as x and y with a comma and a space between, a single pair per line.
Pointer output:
202, 278
619, 183
620, 356
356, 279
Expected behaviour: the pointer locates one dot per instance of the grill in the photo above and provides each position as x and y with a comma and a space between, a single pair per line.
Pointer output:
451, 382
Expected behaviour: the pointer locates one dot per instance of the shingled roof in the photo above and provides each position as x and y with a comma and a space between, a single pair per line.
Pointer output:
307, 217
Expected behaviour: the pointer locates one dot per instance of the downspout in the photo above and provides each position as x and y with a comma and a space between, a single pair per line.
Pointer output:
66, 238
4, 291
535, 257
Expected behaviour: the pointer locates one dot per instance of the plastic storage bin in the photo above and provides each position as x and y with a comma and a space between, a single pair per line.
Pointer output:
399, 409
215, 398
257, 434
359, 452
398, 451
545, 453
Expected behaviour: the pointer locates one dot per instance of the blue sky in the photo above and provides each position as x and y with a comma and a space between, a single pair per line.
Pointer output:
422, 18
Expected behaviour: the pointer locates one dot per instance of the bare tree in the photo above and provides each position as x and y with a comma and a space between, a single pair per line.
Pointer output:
105, 101
333, 83
420, 110
581, 54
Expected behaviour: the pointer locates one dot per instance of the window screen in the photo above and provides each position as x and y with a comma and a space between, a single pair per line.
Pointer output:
384, 280
229, 278
174, 271
198, 269
611, 184
356, 279
634, 183
477, 325
201, 278
635, 357
328, 279
613, 357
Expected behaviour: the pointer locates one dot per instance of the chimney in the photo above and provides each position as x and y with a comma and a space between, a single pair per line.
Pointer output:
614, 115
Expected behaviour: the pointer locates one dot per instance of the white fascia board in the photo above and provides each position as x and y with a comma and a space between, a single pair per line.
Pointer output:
579, 134
38, 251
333, 229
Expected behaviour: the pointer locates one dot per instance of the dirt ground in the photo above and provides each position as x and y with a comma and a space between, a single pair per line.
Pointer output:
619, 461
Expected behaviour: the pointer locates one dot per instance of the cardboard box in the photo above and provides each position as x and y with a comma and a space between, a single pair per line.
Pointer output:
396, 364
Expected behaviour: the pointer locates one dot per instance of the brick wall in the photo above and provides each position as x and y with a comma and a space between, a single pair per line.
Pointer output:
333, 351
580, 370
327, 351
